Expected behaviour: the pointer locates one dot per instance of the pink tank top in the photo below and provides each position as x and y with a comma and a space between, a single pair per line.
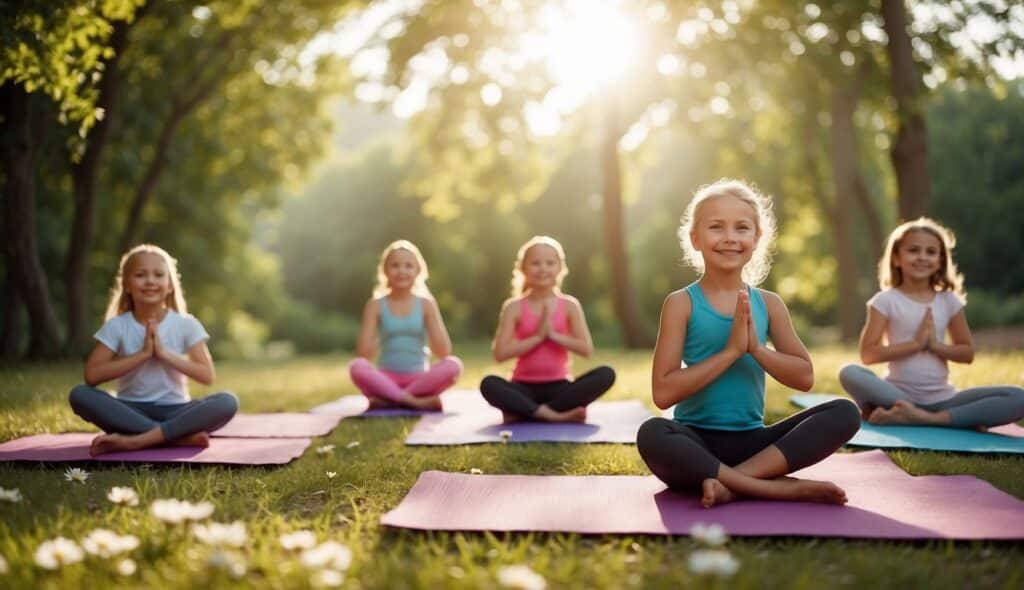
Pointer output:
548, 361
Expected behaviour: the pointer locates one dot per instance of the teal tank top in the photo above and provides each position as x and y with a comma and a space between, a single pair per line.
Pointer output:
401, 339
735, 400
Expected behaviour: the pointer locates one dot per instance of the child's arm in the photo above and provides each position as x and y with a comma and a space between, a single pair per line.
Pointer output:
196, 363
873, 351
790, 363
437, 334
578, 339
104, 365
506, 345
671, 383
962, 348
366, 345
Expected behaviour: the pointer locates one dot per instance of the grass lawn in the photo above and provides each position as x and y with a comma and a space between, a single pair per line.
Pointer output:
373, 476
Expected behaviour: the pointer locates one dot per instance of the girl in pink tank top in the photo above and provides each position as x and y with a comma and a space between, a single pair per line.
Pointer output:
539, 326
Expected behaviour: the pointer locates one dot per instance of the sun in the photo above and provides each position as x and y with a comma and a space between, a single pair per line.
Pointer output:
586, 44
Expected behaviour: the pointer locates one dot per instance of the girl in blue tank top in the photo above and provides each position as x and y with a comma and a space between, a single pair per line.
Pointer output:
397, 321
710, 362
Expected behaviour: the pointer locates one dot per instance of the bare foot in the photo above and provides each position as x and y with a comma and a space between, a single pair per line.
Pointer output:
198, 439
546, 414
715, 492
981, 428
901, 412
427, 403
110, 443
825, 492
866, 410
378, 403
508, 418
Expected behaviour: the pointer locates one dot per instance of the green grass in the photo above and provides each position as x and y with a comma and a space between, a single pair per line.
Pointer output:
373, 477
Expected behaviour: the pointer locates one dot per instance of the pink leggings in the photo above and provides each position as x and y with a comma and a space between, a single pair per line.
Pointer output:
375, 382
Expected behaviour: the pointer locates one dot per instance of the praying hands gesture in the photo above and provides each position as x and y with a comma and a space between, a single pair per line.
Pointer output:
925, 336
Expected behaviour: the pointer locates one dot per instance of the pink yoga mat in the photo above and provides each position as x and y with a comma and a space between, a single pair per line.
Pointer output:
607, 422
282, 425
235, 451
357, 406
885, 503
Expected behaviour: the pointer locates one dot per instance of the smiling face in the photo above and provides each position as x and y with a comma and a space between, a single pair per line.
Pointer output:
541, 267
401, 269
918, 256
147, 280
725, 232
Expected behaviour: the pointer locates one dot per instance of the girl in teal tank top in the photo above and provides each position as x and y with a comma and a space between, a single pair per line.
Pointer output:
710, 363
398, 320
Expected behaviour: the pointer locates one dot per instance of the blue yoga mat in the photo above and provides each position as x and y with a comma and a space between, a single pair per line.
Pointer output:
1008, 438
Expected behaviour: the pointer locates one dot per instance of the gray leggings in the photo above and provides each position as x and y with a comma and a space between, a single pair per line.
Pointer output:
684, 456
977, 406
175, 420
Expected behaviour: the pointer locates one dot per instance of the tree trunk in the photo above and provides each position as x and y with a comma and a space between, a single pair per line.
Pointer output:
21, 137
909, 153
83, 185
845, 172
10, 307
624, 301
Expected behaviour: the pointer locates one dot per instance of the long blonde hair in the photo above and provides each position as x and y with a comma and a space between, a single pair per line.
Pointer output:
519, 277
419, 285
756, 270
946, 278
121, 299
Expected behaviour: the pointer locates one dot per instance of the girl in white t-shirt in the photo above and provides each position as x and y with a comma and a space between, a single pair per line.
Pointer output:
921, 300
152, 346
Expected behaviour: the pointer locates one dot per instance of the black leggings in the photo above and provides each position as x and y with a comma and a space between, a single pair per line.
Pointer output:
684, 456
523, 399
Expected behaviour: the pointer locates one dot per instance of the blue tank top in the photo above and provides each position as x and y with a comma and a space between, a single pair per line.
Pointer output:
401, 339
734, 400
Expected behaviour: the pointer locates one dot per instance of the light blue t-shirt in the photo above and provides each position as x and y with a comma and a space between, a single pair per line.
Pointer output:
154, 380
402, 338
735, 399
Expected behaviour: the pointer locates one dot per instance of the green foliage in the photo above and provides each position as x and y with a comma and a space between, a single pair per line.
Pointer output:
976, 147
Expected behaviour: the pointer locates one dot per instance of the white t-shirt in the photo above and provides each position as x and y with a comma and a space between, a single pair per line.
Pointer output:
154, 380
923, 376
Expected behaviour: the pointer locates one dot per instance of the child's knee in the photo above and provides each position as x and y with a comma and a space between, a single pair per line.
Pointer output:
848, 374
647, 437
846, 418
490, 385
359, 365
607, 374
226, 403
453, 366
80, 396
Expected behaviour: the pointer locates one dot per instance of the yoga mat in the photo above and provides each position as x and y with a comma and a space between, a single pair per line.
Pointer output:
234, 451
1008, 438
282, 425
884, 503
607, 422
357, 406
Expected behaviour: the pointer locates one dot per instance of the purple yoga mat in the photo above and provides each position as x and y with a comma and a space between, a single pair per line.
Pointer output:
884, 503
283, 425
235, 451
607, 422
357, 406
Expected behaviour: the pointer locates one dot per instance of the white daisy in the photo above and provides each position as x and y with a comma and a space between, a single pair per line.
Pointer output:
522, 577
12, 495
220, 534
331, 474
324, 449
177, 511
124, 496
505, 435
76, 474
475, 471
126, 567
104, 543
715, 562
329, 554
298, 540
352, 444
227, 561
712, 535
57, 552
